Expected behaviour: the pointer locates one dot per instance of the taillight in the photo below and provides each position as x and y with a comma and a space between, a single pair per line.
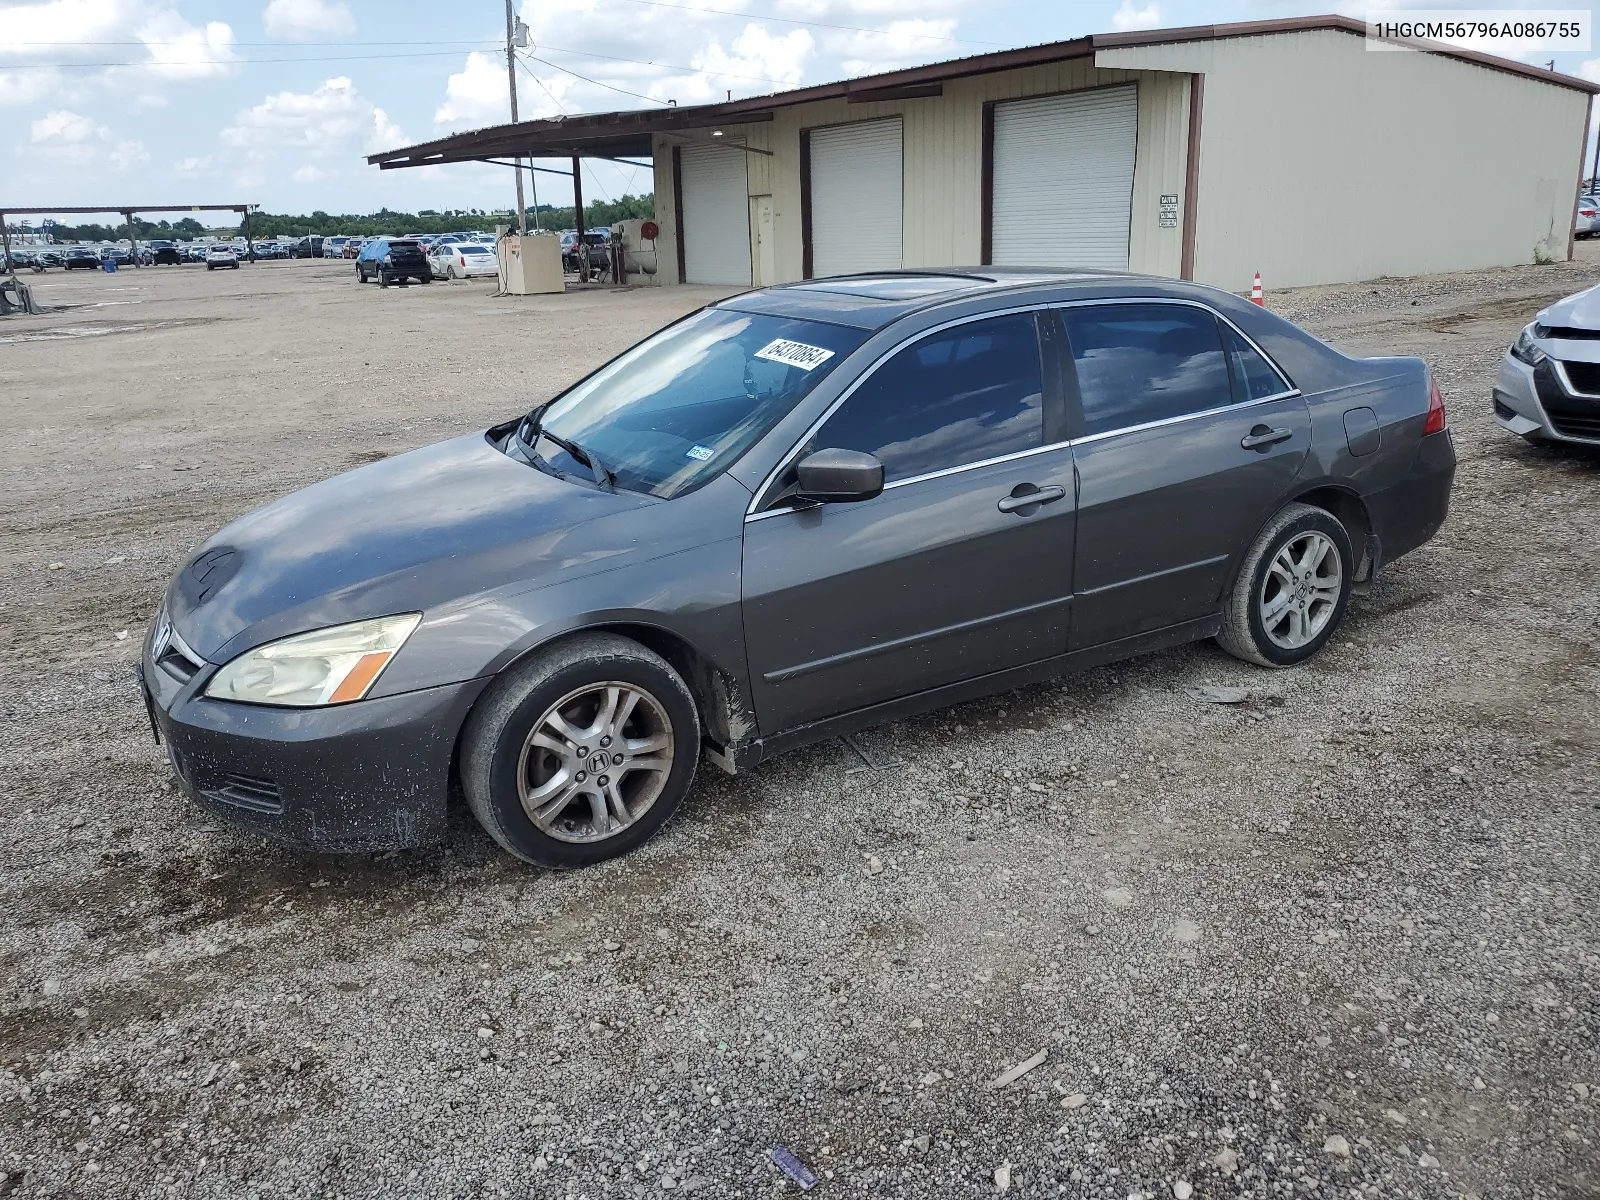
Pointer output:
1586, 212
1436, 421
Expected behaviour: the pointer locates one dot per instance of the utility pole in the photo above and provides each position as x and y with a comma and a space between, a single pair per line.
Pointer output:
514, 28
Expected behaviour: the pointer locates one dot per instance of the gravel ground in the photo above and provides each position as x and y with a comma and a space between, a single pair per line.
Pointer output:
1338, 939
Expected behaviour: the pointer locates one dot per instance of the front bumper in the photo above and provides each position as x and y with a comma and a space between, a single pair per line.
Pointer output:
1537, 404
372, 775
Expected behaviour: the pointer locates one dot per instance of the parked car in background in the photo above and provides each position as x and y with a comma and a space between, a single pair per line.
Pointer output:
352, 248
79, 257
120, 255
50, 256
197, 252
462, 260
793, 514
1588, 218
1548, 389
306, 247
333, 247
392, 260
598, 241
221, 254
163, 254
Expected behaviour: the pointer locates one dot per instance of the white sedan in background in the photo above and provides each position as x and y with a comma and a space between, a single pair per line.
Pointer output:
462, 260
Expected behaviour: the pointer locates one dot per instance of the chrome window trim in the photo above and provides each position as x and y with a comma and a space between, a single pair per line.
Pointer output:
789, 455
751, 513
1090, 438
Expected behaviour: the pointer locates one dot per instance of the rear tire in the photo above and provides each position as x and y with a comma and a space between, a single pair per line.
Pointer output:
1292, 589
538, 799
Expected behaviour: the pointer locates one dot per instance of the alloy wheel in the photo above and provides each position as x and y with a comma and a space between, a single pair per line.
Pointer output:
595, 762
1301, 590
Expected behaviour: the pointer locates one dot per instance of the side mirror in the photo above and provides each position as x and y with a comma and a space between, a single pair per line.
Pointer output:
839, 475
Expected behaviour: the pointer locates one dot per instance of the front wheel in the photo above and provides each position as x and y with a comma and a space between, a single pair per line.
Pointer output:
1292, 590
582, 753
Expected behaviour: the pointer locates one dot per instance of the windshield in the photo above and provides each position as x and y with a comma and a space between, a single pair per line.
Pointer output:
680, 407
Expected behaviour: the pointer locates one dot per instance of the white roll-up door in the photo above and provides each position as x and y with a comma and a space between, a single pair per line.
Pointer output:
716, 215
1063, 179
855, 198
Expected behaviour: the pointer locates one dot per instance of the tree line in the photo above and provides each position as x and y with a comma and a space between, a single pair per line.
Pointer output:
597, 214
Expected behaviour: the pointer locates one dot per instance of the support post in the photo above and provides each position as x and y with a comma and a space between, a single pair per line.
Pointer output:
511, 75
249, 246
577, 194
133, 238
5, 241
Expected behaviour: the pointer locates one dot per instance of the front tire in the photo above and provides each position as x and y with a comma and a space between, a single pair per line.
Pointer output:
582, 753
1292, 590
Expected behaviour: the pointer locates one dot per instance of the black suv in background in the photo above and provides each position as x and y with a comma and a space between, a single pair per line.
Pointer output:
392, 260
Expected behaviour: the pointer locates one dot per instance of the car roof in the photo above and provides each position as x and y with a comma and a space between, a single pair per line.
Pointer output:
874, 299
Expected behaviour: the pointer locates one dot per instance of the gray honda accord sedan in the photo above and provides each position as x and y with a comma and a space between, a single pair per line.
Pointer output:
790, 515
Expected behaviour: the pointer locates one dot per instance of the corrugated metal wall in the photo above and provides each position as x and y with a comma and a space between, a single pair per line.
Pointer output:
1322, 161
943, 157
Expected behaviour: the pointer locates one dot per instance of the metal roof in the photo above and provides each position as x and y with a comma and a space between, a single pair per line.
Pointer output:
631, 133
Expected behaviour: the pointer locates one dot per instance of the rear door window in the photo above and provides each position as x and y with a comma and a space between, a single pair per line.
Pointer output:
1139, 363
968, 394
1254, 378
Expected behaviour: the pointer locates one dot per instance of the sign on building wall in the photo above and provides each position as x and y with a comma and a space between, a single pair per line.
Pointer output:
1168, 218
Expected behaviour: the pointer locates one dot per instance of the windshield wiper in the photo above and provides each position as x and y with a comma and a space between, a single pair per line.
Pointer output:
531, 430
603, 474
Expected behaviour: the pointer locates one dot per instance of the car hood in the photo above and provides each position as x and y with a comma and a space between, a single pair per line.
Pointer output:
407, 534
1575, 312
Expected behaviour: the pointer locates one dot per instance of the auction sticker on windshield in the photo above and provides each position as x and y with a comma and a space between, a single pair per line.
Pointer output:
794, 354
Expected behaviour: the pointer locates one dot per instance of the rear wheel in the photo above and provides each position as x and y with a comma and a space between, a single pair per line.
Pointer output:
1292, 590
582, 753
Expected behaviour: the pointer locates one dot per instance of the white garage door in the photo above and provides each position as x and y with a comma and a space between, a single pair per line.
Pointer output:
1063, 179
855, 198
716, 215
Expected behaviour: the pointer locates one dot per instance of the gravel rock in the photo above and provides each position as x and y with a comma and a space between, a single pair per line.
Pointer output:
766, 990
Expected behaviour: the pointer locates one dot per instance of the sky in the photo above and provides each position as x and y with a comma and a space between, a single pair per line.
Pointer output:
275, 102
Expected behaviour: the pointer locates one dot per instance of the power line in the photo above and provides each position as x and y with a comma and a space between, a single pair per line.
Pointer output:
227, 62
596, 82
531, 75
639, 62
723, 12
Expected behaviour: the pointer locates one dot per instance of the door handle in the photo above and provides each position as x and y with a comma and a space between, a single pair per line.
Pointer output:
1032, 498
1263, 436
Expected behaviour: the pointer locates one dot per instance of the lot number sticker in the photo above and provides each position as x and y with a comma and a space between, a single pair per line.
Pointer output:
794, 354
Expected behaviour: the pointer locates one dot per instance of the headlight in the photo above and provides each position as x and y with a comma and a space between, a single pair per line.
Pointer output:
329, 666
1524, 350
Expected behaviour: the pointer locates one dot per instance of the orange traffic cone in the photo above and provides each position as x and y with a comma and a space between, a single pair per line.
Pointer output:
1255, 292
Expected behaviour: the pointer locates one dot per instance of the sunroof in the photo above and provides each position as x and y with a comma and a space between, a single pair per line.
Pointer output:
895, 287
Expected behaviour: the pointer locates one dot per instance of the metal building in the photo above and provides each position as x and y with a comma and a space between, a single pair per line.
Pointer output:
1285, 146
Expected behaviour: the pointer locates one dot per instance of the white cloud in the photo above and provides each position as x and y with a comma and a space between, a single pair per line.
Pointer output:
900, 44
63, 128
72, 138
478, 94
27, 86
192, 165
303, 20
309, 174
86, 30
179, 50
1127, 17
756, 54
335, 118
125, 154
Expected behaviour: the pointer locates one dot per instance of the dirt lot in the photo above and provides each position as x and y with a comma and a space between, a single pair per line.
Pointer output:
1337, 940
